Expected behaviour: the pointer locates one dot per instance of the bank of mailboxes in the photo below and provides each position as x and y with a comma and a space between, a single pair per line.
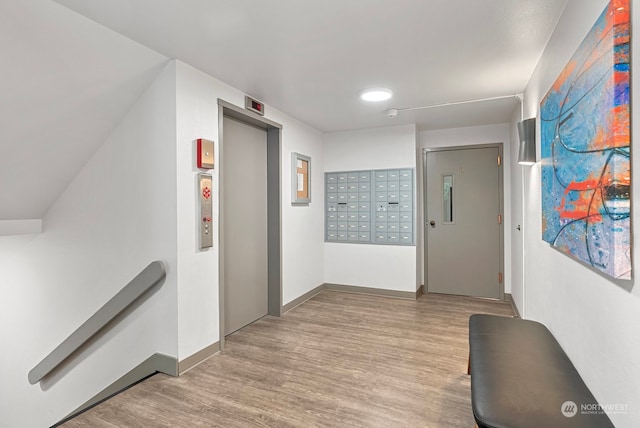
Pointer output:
372, 207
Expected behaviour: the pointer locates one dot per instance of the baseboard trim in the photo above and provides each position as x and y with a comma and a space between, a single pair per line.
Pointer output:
375, 291
300, 300
352, 289
155, 363
509, 298
197, 358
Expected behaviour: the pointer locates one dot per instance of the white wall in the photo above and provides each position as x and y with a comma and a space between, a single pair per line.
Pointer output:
302, 226
375, 266
516, 212
115, 217
473, 135
197, 117
135, 202
594, 318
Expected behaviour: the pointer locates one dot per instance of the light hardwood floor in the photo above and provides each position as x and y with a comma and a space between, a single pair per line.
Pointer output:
337, 360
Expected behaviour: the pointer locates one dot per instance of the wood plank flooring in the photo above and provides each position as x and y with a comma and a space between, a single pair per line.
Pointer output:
337, 360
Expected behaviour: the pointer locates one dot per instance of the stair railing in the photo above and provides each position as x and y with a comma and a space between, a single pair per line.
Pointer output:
142, 283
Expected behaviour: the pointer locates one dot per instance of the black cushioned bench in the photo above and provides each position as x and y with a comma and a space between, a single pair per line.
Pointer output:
521, 377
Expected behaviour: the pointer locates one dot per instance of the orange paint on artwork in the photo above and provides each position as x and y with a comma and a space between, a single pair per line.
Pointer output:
608, 23
580, 207
620, 129
566, 73
617, 15
622, 33
601, 141
580, 210
606, 141
618, 133
620, 11
580, 213
620, 175
588, 184
621, 77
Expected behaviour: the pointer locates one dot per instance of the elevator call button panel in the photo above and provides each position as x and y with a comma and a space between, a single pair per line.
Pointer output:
206, 210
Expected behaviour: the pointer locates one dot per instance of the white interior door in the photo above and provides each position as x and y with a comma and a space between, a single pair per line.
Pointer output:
463, 230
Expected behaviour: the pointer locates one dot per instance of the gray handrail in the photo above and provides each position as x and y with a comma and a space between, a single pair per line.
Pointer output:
146, 279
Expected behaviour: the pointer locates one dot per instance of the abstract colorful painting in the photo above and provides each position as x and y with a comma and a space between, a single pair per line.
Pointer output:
585, 133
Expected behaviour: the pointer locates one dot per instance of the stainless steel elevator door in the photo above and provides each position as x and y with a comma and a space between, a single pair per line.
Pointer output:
244, 208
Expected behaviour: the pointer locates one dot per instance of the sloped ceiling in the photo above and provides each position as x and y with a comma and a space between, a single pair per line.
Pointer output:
73, 68
66, 83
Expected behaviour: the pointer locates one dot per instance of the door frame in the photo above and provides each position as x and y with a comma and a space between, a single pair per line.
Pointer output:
274, 216
425, 200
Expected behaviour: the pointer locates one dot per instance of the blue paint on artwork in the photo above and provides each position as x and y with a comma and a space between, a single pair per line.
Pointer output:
621, 96
586, 169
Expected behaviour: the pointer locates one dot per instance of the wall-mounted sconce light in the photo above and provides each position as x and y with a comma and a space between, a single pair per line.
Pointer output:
527, 135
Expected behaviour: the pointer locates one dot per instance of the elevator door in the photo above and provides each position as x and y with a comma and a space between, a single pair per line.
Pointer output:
244, 206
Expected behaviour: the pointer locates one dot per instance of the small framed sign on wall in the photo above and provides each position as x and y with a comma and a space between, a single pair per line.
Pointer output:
301, 179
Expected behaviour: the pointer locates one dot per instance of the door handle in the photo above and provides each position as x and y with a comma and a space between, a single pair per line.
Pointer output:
432, 223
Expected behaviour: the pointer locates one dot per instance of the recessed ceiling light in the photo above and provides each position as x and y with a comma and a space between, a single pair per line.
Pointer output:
376, 94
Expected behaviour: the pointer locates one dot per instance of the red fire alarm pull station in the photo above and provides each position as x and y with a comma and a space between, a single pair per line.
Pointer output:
205, 153
254, 105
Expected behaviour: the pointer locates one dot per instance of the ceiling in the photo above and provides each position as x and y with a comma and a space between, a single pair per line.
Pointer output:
312, 59
69, 80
